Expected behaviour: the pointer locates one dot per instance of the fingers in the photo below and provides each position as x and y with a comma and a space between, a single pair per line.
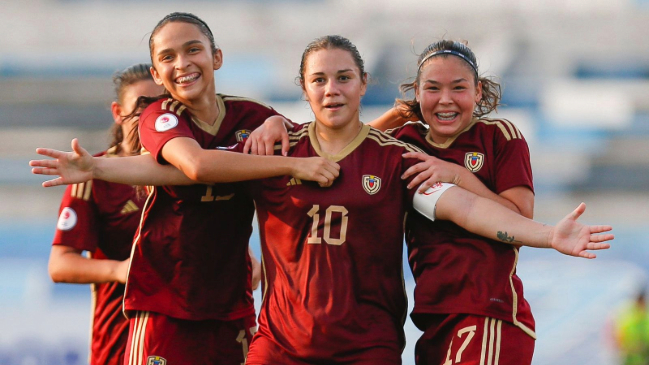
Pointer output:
601, 237
414, 169
49, 152
419, 155
587, 255
578, 212
247, 145
600, 229
285, 144
45, 171
269, 148
54, 182
43, 163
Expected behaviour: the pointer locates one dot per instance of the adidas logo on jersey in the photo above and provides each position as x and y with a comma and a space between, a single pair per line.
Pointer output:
129, 207
293, 182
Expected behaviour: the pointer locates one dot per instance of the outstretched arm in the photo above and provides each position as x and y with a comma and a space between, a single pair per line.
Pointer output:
391, 119
67, 265
195, 164
489, 219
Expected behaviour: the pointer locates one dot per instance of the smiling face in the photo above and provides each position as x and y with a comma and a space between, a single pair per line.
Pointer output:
183, 61
447, 94
333, 85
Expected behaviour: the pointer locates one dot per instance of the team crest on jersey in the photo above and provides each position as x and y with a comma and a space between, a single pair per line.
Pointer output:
473, 161
371, 184
67, 219
156, 360
165, 122
242, 134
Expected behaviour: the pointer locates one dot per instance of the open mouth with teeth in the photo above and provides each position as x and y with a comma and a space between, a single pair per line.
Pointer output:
333, 106
446, 116
187, 78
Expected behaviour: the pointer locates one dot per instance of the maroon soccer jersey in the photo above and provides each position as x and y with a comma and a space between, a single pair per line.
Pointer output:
190, 259
332, 257
102, 217
457, 271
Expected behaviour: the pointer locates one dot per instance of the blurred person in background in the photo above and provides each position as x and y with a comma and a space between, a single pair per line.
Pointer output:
101, 218
631, 331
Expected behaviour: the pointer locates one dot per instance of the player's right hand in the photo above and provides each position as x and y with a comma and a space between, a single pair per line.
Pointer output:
71, 167
318, 169
262, 140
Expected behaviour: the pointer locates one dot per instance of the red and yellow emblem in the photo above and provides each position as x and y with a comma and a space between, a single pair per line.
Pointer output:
156, 360
371, 184
242, 134
473, 161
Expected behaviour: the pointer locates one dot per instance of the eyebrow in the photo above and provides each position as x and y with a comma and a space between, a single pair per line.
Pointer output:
338, 72
452, 82
188, 43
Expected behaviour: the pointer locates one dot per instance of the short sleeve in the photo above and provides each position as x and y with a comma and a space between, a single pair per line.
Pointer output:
158, 126
76, 225
512, 164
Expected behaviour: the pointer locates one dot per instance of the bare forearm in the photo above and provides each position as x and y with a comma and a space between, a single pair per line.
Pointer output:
221, 166
74, 268
470, 182
138, 170
389, 119
490, 219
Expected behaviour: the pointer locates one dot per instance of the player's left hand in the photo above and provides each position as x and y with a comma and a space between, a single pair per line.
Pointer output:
430, 171
573, 238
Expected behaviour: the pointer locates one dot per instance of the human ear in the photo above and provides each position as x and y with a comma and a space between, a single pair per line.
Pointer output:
156, 76
218, 59
478, 94
116, 111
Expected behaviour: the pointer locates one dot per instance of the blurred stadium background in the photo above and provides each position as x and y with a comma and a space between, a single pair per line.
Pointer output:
576, 82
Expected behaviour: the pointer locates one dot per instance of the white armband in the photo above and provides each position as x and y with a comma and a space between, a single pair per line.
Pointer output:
426, 202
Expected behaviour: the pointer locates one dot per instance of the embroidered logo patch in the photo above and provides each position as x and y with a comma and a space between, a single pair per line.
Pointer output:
165, 122
242, 134
473, 161
371, 184
67, 219
156, 360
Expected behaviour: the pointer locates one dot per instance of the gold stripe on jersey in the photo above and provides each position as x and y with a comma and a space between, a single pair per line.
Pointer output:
385, 140
509, 130
112, 152
213, 128
173, 106
137, 341
93, 307
294, 181
518, 324
365, 130
491, 341
293, 138
82, 190
240, 98
150, 189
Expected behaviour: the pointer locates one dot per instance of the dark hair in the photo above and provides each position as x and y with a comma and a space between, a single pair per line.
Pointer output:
331, 42
122, 80
183, 18
491, 92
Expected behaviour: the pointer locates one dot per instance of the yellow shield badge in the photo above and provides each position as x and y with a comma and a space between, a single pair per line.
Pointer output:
242, 134
473, 161
156, 360
371, 184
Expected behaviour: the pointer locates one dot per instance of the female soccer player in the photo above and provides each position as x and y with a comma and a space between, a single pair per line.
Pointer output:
468, 299
101, 218
333, 289
188, 290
